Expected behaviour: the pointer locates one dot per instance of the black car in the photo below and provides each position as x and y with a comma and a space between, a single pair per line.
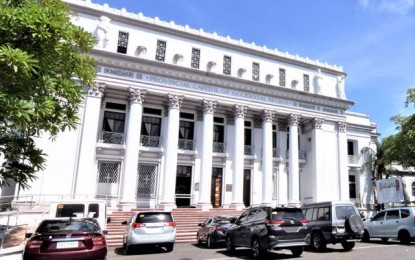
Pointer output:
266, 228
213, 230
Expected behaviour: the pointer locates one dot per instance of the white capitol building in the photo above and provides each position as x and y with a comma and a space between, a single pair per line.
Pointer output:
180, 117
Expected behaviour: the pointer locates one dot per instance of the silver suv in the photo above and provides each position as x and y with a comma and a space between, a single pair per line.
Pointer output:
398, 223
150, 228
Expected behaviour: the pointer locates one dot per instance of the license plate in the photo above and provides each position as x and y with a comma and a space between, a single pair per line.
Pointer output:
71, 244
154, 230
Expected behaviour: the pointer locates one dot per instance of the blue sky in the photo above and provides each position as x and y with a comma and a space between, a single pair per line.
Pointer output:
374, 40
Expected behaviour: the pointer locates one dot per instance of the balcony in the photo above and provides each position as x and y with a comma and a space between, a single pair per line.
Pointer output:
218, 147
276, 152
186, 144
353, 159
111, 137
248, 150
150, 141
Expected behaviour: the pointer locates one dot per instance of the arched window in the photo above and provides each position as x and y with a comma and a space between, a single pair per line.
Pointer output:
413, 188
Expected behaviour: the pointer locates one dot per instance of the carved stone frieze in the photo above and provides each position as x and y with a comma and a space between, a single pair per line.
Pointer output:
239, 111
342, 127
137, 95
209, 106
175, 101
318, 123
293, 120
267, 115
97, 90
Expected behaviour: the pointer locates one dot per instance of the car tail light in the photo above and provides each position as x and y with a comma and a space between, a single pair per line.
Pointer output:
34, 243
171, 224
276, 222
138, 225
304, 221
99, 240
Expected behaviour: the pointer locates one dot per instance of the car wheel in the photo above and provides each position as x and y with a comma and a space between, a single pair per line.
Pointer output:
209, 243
126, 249
354, 224
317, 242
404, 237
385, 239
230, 248
366, 237
257, 250
199, 242
170, 247
297, 251
347, 246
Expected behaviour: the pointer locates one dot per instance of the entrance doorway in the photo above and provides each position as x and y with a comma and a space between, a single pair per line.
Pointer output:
183, 186
216, 187
247, 187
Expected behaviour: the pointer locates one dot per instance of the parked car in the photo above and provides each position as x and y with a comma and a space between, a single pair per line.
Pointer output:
213, 230
396, 223
150, 228
334, 222
66, 239
266, 228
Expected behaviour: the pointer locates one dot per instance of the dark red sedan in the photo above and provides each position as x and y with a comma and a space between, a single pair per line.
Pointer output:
66, 239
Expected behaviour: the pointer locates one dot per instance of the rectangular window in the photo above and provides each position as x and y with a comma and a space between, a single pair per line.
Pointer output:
255, 71
282, 77
352, 187
306, 80
151, 126
350, 148
122, 42
195, 58
227, 65
161, 51
113, 122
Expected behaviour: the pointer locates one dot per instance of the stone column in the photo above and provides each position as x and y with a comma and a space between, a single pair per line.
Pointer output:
206, 155
132, 144
293, 175
238, 157
85, 179
343, 170
267, 158
318, 148
168, 201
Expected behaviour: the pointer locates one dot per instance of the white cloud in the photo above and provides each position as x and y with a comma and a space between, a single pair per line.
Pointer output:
392, 6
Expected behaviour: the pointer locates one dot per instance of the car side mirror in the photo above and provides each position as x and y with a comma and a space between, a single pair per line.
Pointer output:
124, 223
28, 235
108, 220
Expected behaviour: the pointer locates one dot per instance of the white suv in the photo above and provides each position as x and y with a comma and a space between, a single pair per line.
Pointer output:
396, 223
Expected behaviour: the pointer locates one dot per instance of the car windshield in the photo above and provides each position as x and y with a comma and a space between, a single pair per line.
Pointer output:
342, 212
223, 219
153, 217
56, 226
294, 214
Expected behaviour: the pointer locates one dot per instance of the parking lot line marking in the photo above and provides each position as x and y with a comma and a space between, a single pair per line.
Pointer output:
365, 247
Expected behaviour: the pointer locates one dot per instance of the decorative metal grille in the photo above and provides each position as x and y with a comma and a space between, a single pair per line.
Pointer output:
108, 171
147, 180
282, 77
150, 141
248, 150
122, 42
185, 144
112, 137
161, 50
219, 147
255, 71
306, 80
275, 184
195, 58
227, 65
275, 152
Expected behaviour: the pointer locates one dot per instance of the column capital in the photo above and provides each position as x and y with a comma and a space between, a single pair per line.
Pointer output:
293, 119
239, 111
137, 95
97, 90
318, 122
342, 126
267, 115
175, 101
209, 106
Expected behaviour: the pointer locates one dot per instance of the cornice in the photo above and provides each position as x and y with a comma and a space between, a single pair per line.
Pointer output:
86, 6
183, 73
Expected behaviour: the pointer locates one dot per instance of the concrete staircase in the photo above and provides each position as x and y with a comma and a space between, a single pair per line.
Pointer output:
187, 220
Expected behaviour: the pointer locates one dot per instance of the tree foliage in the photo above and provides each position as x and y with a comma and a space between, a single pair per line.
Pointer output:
43, 68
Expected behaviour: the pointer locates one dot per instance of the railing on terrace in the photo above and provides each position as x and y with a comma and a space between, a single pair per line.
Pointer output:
248, 150
219, 147
353, 159
276, 152
150, 141
111, 137
302, 155
186, 144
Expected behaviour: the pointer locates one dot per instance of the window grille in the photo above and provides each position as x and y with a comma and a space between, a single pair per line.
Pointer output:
147, 180
122, 42
282, 78
109, 171
161, 50
306, 80
195, 58
255, 71
227, 65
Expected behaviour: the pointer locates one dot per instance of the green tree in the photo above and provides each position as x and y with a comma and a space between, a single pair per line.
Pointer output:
43, 68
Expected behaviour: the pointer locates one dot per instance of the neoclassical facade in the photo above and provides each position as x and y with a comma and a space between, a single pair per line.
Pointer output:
180, 117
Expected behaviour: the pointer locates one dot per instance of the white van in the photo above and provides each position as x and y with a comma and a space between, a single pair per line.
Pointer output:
81, 209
